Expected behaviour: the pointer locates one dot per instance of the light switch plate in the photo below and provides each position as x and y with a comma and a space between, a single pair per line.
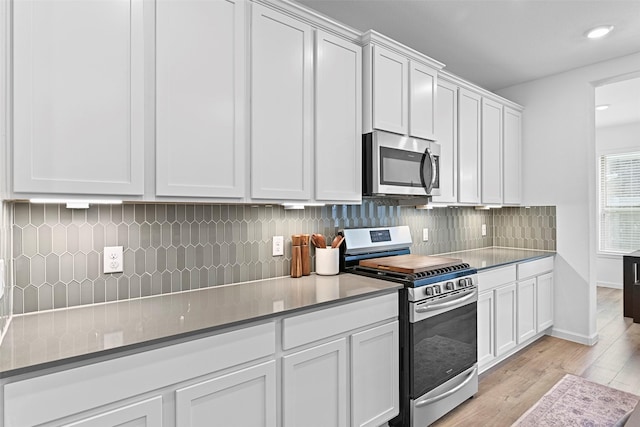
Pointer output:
425, 234
113, 259
484, 229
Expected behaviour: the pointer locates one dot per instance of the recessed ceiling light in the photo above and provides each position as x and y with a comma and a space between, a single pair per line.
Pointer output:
598, 32
602, 107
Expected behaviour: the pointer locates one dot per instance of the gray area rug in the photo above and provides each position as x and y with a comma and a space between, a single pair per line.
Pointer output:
575, 401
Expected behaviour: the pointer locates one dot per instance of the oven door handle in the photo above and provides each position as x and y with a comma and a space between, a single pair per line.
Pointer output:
431, 307
429, 400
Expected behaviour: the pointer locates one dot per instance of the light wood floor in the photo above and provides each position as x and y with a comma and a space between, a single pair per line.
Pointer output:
509, 389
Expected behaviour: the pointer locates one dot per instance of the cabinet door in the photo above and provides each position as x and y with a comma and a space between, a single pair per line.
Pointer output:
512, 149
545, 301
486, 328
243, 398
390, 91
338, 154
147, 413
374, 376
422, 101
506, 306
78, 97
315, 386
281, 106
200, 98
526, 309
469, 107
491, 152
447, 128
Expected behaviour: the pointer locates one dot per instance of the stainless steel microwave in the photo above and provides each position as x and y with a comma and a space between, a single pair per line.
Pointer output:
396, 165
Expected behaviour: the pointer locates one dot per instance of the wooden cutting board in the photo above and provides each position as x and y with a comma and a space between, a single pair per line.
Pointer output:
409, 263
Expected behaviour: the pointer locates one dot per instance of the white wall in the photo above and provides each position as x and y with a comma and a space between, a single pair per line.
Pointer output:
614, 138
559, 169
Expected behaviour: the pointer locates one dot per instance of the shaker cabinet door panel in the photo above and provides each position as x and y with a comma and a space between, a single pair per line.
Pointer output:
526, 310
545, 301
338, 141
281, 106
491, 152
469, 113
512, 187
506, 318
422, 101
78, 97
200, 98
374, 375
486, 325
447, 135
390, 91
314, 386
147, 413
243, 398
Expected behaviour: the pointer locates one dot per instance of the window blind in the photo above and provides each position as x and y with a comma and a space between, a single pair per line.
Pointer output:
620, 202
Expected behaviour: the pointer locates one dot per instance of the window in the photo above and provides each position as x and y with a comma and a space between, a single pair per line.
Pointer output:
620, 202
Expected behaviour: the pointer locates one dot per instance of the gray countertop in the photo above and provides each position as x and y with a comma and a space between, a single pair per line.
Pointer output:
492, 257
47, 339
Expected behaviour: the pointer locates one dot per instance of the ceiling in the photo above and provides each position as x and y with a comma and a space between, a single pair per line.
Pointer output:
498, 43
623, 98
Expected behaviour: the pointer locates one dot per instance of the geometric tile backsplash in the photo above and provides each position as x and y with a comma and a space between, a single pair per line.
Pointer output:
57, 252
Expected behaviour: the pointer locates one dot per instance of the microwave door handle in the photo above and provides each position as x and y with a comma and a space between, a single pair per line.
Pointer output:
428, 186
434, 172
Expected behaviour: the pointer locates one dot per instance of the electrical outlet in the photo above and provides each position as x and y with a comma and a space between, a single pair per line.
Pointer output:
425, 234
484, 229
113, 260
278, 246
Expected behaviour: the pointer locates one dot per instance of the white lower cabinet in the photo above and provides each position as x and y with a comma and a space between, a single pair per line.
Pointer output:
526, 309
506, 312
147, 413
486, 328
314, 386
243, 398
374, 375
544, 294
335, 366
515, 307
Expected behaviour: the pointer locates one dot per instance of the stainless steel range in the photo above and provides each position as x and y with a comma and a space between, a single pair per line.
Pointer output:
438, 329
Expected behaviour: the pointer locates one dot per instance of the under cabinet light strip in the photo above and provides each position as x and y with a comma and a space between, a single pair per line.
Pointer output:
75, 201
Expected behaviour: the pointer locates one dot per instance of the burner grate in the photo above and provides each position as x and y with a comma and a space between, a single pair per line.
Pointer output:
438, 271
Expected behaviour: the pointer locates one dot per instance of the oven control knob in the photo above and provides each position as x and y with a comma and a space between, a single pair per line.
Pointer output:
449, 286
436, 289
429, 291
469, 281
462, 283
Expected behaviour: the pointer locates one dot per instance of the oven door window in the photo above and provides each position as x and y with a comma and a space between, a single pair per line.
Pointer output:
442, 347
404, 168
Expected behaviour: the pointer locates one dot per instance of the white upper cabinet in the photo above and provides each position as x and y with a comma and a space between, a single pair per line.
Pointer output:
447, 125
281, 106
390, 91
422, 101
400, 87
491, 152
200, 98
78, 97
469, 113
512, 150
338, 142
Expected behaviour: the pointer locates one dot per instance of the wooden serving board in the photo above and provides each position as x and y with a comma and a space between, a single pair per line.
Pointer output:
409, 263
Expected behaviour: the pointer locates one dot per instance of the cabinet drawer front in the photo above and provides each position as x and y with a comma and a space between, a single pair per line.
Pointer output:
496, 277
535, 268
314, 326
79, 389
